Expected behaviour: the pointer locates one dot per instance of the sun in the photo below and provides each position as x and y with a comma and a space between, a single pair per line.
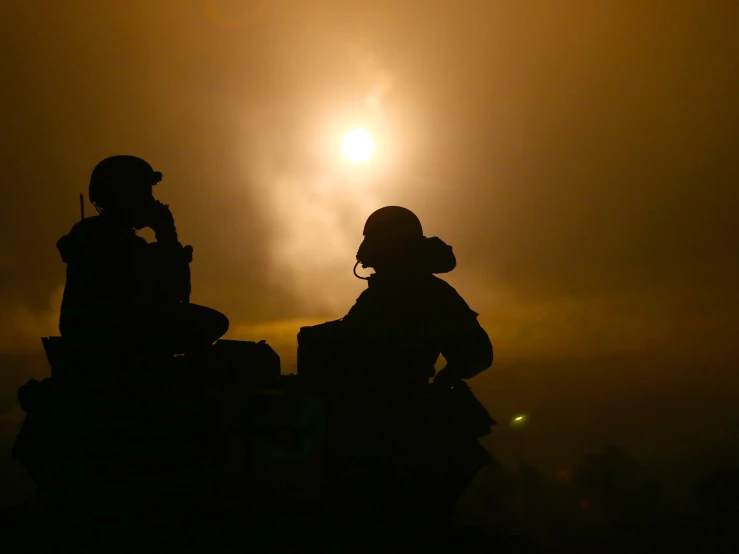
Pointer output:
358, 145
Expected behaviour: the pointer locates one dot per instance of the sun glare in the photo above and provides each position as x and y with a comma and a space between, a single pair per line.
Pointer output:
358, 145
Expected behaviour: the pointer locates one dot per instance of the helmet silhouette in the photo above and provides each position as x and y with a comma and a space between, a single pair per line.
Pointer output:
393, 236
393, 223
119, 170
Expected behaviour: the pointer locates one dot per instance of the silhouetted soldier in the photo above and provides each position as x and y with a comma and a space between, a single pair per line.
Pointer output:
407, 314
397, 328
120, 289
114, 431
390, 432
127, 438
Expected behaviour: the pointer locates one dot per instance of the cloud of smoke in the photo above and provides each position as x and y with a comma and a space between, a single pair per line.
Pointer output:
316, 201
317, 237
382, 80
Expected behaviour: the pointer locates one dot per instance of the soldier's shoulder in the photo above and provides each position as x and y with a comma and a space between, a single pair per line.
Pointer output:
90, 233
364, 298
80, 233
89, 226
441, 286
448, 295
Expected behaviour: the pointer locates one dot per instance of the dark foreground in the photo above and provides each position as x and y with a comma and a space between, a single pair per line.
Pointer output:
27, 529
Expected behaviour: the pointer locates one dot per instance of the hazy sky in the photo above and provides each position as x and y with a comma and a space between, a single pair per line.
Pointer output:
581, 157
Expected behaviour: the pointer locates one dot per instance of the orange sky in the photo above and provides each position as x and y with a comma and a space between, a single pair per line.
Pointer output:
580, 157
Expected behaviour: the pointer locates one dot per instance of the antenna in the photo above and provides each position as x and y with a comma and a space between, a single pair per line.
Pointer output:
82, 206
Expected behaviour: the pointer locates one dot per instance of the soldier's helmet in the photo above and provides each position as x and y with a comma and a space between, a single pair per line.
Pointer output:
393, 235
118, 171
393, 223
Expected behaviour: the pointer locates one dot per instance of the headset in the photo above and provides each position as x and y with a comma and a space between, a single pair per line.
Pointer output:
430, 252
372, 250
366, 256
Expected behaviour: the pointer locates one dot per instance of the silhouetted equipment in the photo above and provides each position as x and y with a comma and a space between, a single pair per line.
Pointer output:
194, 438
325, 352
228, 356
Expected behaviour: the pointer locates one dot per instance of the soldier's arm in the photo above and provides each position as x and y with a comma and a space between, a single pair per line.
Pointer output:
172, 260
465, 345
172, 271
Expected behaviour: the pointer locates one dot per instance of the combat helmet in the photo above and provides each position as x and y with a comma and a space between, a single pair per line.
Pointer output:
394, 235
119, 170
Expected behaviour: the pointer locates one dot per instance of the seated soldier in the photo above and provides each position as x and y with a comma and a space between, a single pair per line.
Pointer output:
121, 290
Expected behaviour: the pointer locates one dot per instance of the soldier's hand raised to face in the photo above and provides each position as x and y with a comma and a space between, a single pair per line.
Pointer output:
160, 217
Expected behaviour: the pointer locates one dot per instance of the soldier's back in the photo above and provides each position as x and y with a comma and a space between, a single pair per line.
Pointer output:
105, 277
